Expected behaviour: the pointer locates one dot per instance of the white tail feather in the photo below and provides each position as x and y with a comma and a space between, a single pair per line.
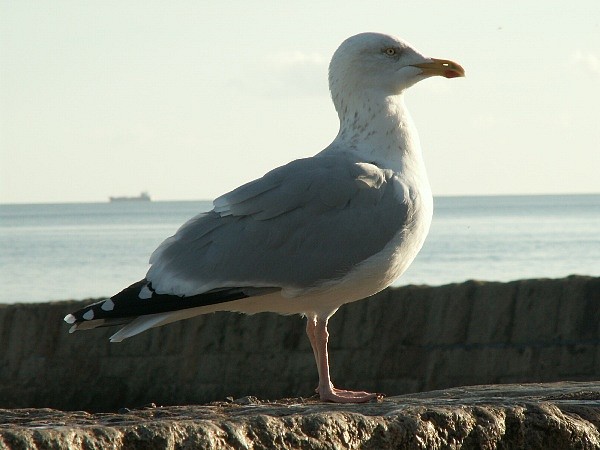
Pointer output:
139, 325
144, 323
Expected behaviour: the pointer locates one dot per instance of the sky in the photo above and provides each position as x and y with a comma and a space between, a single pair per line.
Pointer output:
189, 99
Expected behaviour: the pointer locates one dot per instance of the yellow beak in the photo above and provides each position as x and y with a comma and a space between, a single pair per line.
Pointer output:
442, 67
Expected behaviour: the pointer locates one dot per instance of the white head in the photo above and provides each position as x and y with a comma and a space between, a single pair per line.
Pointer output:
384, 63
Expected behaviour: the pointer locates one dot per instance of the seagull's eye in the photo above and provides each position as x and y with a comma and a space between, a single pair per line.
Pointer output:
390, 51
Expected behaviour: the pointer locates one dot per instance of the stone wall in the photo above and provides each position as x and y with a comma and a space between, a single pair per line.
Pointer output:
545, 416
403, 340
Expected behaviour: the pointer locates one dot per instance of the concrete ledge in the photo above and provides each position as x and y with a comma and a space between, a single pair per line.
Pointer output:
536, 416
411, 339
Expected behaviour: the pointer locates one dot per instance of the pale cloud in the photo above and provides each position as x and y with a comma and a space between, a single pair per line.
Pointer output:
483, 121
295, 73
564, 119
587, 60
296, 58
285, 74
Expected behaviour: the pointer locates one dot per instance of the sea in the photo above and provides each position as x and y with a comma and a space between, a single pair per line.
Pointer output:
93, 250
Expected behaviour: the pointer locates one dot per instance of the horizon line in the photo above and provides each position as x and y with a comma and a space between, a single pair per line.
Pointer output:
87, 202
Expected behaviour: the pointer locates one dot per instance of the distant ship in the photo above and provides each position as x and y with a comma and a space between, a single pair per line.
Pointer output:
143, 197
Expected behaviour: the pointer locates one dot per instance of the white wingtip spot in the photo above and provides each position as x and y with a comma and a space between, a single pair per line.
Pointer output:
70, 318
89, 315
108, 305
145, 293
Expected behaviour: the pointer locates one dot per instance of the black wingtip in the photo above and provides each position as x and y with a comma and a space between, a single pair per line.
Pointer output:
140, 299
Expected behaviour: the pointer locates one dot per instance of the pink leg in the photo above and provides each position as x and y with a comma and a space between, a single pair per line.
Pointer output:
316, 329
311, 324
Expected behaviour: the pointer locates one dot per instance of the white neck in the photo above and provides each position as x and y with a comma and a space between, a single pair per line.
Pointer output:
380, 130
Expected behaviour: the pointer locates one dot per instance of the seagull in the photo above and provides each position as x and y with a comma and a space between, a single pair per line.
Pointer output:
311, 235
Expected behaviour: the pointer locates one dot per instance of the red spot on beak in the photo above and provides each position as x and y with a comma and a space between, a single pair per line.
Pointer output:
451, 74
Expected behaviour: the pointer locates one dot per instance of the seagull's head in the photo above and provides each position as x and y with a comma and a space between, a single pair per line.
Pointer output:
384, 63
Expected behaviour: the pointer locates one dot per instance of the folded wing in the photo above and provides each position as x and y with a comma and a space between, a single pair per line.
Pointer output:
300, 225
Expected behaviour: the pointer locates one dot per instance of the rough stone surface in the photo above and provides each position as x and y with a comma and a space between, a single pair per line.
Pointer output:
535, 416
411, 339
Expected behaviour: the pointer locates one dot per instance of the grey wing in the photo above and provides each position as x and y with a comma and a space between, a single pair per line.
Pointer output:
300, 225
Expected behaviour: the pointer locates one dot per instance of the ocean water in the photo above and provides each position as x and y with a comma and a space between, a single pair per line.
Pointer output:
76, 251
